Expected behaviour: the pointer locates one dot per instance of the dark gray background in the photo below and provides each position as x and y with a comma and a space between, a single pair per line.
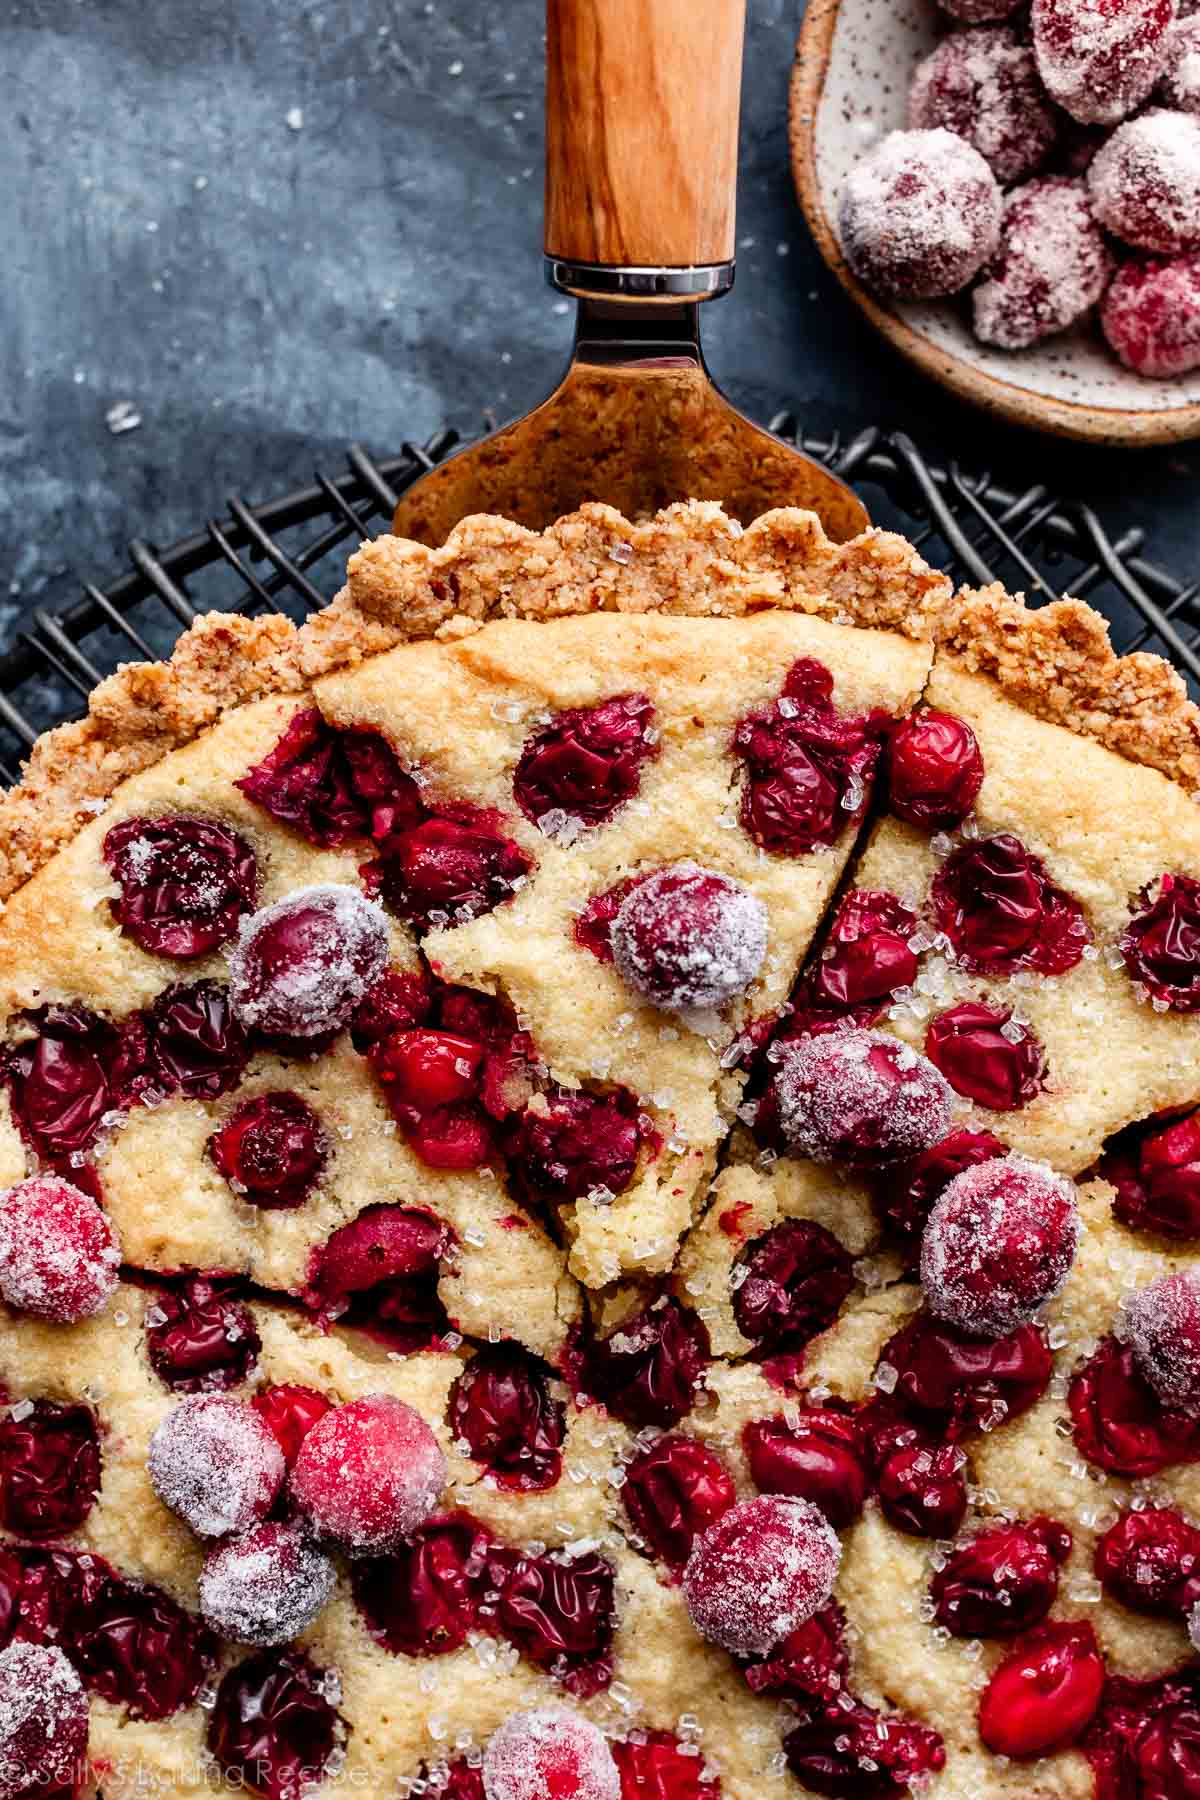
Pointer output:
262, 294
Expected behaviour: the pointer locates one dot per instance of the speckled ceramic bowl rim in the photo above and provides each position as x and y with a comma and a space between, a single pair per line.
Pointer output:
1006, 399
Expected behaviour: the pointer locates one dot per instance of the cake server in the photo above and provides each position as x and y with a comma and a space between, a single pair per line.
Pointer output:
642, 104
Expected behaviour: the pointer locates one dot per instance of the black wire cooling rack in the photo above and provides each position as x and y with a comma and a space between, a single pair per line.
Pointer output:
288, 555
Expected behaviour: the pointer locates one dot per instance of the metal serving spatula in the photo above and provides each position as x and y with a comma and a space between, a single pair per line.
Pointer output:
642, 102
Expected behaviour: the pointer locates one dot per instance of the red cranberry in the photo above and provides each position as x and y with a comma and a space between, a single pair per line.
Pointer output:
647, 1371
199, 1339
922, 1488
865, 958
593, 926
216, 1464
1180, 82
185, 883
398, 1001
906, 1195
859, 1097
688, 939
1044, 1694
1120, 1423
550, 1754
999, 1243
459, 1780
49, 1468
367, 1474
855, 1753
811, 1663
196, 1045
1099, 63
424, 1598
333, 785
43, 1721
303, 965
559, 1612
266, 1586
272, 1151
1145, 1739
919, 215
1019, 302
445, 1086
1151, 314
65, 1080
1162, 1326
935, 768
985, 1057
1166, 1754
1157, 1178
957, 1383
654, 1765
1001, 912
138, 1649
808, 768
573, 1144
381, 1272
1150, 1560
819, 1457
427, 1069
59, 1256
452, 868
791, 1284
1161, 944
501, 1410
984, 86
272, 1728
1001, 1582
49, 1592
761, 1571
1145, 182
673, 1490
585, 764
290, 1411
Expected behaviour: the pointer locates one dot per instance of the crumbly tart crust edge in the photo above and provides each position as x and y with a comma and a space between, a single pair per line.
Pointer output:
690, 560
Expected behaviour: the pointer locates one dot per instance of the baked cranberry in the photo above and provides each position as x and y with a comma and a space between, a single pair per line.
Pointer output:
367, 1474
689, 939
984, 86
810, 1663
59, 1256
817, 1457
216, 1464
550, 1754
986, 1057
585, 764
333, 785
1157, 1178
1120, 1423
1166, 1754
427, 1069
1044, 1694
593, 926
461, 1780
922, 1488
905, 1195
855, 1753
380, 1272
452, 868
137, 1648
673, 1490
1150, 1560
790, 1284
266, 1586
69, 1075
865, 958
858, 1097
501, 1410
1143, 1740
273, 1729
43, 1722
185, 883
272, 1151
998, 1245
49, 1468
559, 1612
1151, 313
1161, 943
196, 1045
199, 1338
957, 1383
290, 1411
398, 1001
1162, 1325
567, 1145
919, 215
1001, 911
1099, 63
1002, 1581
49, 1592
1144, 182
424, 1598
303, 965
447, 1086
761, 1571
647, 1371
655, 1765
935, 767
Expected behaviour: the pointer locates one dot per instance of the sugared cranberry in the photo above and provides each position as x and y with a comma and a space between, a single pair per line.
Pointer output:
957, 1383
49, 1468
1001, 912
985, 1056
1120, 1423
905, 1195
1145, 182
922, 1488
559, 1612
1179, 85
199, 1338
550, 1754
1043, 1696
1100, 58
216, 1464
333, 785
808, 767
858, 1097
984, 86
302, 966
585, 764
367, 1474
398, 1001
1157, 1178
919, 215
655, 1765
196, 1045
761, 1571
999, 1243
647, 1371
424, 1598
811, 1663
1050, 268
137, 1648
855, 1753
272, 1729
381, 1272
266, 1586
272, 1151
935, 766
566, 1145
69, 1075
864, 959
1002, 1581
43, 1722
502, 1411
790, 1284
1161, 943
290, 1411
689, 939
59, 1256
452, 868
1150, 1560
185, 883
817, 1457
673, 1490
1161, 1323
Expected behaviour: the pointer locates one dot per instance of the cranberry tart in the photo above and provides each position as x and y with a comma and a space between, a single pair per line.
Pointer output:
599, 1191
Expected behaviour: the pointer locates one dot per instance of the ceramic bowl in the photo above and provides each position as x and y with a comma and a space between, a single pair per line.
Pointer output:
850, 83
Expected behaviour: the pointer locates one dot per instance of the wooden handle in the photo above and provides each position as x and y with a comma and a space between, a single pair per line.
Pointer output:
642, 101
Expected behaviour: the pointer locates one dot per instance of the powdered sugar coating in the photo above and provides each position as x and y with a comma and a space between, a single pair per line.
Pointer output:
1145, 182
59, 1255
1193, 1627
301, 966
1100, 58
984, 86
1051, 268
1180, 84
1151, 315
919, 215
547, 1754
368, 1473
761, 1571
689, 939
43, 1720
216, 1464
859, 1097
266, 1586
999, 1243
1161, 1324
